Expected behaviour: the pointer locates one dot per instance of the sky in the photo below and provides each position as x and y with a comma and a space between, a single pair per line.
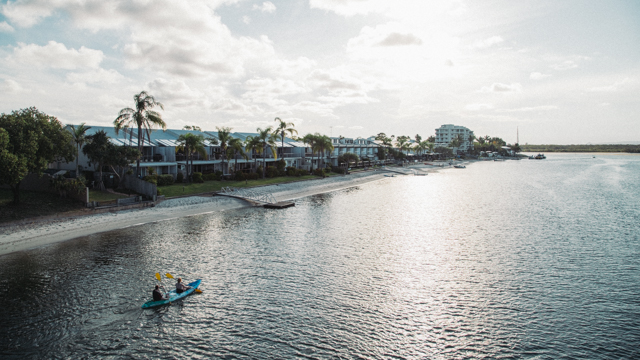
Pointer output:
554, 72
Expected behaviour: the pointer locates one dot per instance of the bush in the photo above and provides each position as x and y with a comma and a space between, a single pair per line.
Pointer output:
291, 171
197, 177
302, 172
251, 176
281, 165
180, 177
210, 177
318, 172
337, 170
153, 179
272, 172
259, 171
239, 175
158, 192
164, 180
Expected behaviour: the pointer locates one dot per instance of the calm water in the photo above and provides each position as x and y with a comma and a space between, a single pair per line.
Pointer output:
516, 259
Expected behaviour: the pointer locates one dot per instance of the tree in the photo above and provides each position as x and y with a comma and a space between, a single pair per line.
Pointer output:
325, 144
252, 143
312, 141
192, 144
346, 158
141, 117
79, 137
431, 139
418, 138
237, 146
266, 138
29, 142
224, 136
281, 129
98, 150
192, 127
401, 141
119, 158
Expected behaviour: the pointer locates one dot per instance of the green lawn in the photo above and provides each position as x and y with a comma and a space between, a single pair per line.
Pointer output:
211, 186
102, 196
34, 204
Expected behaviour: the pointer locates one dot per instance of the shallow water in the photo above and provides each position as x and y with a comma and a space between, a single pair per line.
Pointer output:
515, 259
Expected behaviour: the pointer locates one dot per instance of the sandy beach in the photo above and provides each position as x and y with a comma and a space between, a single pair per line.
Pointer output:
27, 235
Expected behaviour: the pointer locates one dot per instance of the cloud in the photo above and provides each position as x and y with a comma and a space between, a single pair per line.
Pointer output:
350, 7
4, 27
27, 13
395, 39
538, 76
564, 65
56, 55
501, 88
246, 19
96, 76
9, 86
478, 107
266, 7
334, 81
618, 85
176, 93
530, 109
488, 42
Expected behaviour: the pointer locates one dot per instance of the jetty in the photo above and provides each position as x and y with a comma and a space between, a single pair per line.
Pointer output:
255, 197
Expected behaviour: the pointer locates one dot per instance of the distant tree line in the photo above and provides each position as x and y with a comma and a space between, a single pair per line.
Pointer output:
581, 148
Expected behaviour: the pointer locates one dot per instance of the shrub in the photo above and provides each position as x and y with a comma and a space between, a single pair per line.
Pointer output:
272, 172
318, 172
337, 170
291, 171
239, 175
302, 172
180, 177
153, 179
251, 176
210, 177
164, 180
281, 165
158, 192
259, 171
197, 177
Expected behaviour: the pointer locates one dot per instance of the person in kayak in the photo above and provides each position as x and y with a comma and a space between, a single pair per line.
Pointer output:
180, 287
157, 294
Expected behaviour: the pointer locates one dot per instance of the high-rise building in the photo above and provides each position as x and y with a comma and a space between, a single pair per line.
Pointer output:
446, 133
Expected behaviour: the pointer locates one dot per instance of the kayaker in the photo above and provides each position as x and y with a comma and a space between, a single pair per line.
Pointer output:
180, 287
157, 294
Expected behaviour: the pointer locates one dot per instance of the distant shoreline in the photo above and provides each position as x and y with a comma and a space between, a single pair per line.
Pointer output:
617, 148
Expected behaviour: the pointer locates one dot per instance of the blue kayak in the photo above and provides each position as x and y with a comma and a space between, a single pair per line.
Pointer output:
173, 296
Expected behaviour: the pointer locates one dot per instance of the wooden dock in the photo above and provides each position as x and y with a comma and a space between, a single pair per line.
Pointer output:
280, 205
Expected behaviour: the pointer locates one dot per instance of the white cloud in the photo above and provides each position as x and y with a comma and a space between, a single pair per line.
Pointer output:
564, 65
538, 76
502, 88
350, 7
4, 27
488, 42
530, 109
478, 107
96, 76
176, 93
27, 13
9, 86
267, 7
618, 85
246, 19
56, 55
396, 39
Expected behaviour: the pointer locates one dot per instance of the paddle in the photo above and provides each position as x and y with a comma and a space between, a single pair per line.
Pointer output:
171, 277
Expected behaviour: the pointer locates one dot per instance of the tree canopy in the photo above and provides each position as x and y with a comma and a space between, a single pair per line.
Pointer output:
29, 141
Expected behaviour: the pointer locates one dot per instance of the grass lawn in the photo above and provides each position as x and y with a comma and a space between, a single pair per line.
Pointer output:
34, 204
102, 196
211, 186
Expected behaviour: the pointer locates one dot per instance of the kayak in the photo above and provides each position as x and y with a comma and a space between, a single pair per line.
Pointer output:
173, 296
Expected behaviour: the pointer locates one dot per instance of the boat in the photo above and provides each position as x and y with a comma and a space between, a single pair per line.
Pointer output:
459, 166
387, 175
538, 157
173, 296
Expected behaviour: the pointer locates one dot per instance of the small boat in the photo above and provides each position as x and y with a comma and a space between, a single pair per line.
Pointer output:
173, 296
387, 175
459, 166
540, 157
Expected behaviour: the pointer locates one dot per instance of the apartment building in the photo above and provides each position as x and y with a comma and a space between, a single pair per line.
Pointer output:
448, 132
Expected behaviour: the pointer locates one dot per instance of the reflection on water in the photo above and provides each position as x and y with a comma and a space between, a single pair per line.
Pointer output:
505, 259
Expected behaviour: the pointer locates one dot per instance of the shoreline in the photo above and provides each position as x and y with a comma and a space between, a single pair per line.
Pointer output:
37, 233
41, 232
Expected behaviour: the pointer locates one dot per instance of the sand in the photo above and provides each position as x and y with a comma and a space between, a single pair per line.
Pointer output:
39, 233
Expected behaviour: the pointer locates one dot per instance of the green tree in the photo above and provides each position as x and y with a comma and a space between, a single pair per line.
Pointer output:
237, 148
79, 137
312, 141
141, 117
266, 139
252, 143
347, 158
282, 129
98, 149
29, 142
325, 145
192, 144
119, 158
224, 136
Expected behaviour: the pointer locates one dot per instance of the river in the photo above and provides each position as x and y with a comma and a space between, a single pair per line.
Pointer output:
513, 259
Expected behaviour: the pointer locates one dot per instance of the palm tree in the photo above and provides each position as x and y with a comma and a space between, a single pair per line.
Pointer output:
252, 143
236, 145
79, 135
224, 136
266, 139
325, 144
192, 144
281, 129
141, 117
312, 141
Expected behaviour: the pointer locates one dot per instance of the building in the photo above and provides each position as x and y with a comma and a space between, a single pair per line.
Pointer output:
445, 134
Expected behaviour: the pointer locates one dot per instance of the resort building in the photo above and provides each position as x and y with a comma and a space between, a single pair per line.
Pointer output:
445, 134
366, 149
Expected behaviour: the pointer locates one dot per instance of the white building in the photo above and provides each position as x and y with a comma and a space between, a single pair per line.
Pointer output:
448, 132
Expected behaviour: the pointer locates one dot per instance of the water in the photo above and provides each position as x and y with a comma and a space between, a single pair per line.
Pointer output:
515, 259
